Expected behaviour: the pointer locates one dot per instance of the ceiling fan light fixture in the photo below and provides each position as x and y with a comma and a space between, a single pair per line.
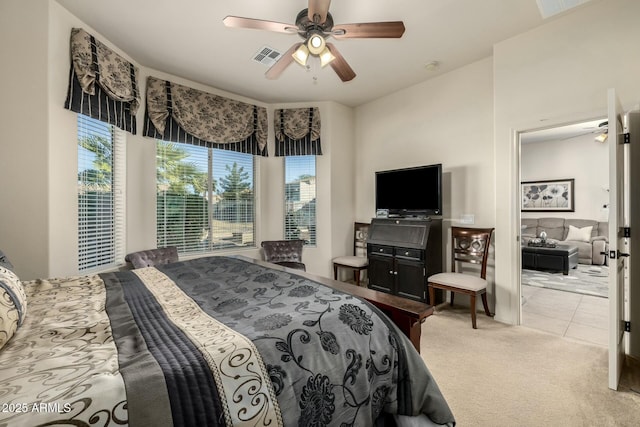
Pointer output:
316, 44
301, 55
326, 57
601, 138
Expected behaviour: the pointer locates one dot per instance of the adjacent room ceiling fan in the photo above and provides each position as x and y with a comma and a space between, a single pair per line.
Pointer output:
603, 131
315, 26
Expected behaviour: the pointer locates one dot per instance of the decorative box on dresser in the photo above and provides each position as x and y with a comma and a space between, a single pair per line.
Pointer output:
402, 254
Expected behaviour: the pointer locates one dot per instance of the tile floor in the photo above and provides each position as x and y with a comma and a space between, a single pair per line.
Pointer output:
576, 316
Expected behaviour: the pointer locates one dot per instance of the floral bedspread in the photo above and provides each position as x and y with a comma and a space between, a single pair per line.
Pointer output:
210, 341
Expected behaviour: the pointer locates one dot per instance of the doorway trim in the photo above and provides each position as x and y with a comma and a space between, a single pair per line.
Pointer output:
516, 134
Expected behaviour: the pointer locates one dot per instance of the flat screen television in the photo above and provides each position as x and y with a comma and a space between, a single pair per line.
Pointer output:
410, 192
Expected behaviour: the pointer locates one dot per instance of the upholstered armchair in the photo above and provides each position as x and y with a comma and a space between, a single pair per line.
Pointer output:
153, 257
287, 253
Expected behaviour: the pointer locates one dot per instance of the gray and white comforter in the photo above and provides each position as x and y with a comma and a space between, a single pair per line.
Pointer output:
212, 341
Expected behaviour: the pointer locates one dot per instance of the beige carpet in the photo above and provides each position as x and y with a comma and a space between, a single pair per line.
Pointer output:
500, 375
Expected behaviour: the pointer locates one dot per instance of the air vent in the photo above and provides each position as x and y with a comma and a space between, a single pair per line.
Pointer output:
267, 56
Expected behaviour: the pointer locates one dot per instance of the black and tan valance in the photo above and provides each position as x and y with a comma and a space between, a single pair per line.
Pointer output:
102, 84
297, 132
182, 114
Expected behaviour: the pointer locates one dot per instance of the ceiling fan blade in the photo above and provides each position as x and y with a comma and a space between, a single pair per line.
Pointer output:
393, 29
319, 8
340, 65
284, 61
259, 24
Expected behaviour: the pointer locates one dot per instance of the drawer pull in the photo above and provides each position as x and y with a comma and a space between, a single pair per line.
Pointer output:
381, 250
406, 253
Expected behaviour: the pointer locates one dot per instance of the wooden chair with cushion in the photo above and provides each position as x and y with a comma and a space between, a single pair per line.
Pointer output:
151, 257
358, 261
287, 253
468, 246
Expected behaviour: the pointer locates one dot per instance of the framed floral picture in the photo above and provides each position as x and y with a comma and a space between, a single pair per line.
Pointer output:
555, 195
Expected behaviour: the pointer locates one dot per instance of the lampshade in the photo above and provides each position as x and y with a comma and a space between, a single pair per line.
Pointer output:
316, 44
301, 54
601, 138
326, 57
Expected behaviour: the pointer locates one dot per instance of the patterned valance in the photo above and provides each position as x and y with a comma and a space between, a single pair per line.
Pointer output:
181, 114
102, 84
297, 132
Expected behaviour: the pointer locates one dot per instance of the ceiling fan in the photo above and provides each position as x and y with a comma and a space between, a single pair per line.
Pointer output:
603, 131
315, 26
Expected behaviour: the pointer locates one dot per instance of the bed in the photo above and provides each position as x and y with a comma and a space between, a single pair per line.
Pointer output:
213, 341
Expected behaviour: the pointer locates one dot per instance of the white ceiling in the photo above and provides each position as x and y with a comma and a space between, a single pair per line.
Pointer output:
560, 133
187, 38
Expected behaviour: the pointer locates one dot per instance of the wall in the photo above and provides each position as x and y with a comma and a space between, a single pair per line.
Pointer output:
24, 120
39, 218
445, 120
343, 189
580, 158
556, 74
334, 189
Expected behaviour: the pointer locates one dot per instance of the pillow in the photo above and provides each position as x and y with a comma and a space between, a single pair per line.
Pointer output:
4, 261
579, 234
13, 304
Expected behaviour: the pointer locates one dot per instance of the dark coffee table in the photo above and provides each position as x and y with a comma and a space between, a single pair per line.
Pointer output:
561, 258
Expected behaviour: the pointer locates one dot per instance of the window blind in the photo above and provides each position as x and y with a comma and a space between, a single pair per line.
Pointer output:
300, 198
205, 198
182, 196
101, 194
233, 199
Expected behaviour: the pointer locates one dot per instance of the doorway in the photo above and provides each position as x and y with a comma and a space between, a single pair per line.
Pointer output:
564, 173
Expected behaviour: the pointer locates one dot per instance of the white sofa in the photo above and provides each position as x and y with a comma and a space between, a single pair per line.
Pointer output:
590, 249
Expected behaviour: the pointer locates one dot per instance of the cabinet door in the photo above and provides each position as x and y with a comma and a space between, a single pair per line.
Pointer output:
410, 279
380, 272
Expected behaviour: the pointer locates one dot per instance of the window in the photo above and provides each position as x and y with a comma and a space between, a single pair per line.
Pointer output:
101, 186
205, 198
300, 198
